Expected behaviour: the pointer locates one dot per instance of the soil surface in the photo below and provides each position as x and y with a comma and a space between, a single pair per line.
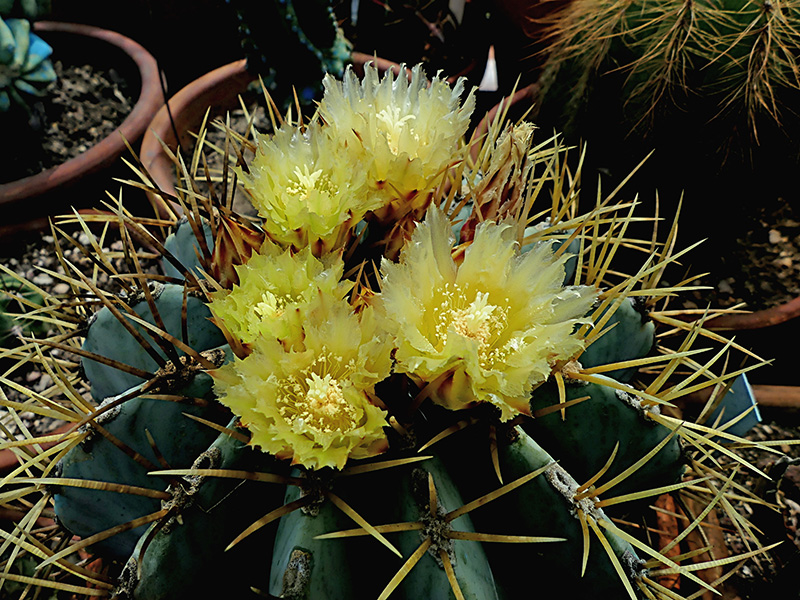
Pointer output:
764, 268
83, 106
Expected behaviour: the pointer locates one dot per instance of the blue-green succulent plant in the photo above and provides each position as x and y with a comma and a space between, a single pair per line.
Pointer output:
25, 66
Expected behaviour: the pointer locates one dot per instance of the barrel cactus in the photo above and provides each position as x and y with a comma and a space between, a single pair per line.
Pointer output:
416, 374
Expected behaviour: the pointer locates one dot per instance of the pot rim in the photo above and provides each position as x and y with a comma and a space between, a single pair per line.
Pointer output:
187, 108
110, 148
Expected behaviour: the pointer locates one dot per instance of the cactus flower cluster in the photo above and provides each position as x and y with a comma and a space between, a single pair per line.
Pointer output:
423, 369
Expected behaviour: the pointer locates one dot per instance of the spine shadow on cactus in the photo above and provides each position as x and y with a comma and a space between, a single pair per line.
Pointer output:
123, 445
204, 511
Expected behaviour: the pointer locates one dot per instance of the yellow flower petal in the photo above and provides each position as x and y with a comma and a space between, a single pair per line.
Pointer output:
487, 330
275, 288
305, 194
313, 405
405, 133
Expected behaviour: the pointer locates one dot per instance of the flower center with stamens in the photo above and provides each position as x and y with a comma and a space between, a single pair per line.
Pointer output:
314, 401
395, 126
307, 182
271, 306
477, 320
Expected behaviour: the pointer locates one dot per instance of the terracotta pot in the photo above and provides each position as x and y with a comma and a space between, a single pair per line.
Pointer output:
8, 458
28, 202
173, 124
216, 92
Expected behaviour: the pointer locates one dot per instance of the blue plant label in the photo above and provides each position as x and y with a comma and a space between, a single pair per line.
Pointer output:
738, 400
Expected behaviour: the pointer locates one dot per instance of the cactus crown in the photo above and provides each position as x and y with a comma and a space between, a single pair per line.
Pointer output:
421, 375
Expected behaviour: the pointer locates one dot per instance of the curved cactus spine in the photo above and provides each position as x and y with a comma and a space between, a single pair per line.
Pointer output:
560, 491
18, 300
305, 567
168, 308
428, 496
133, 434
532, 478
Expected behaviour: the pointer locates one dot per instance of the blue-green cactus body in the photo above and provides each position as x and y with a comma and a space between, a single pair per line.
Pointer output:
541, 507
556, 516
108, 337
428, 578
178, 439
631, 335
585, 438
212, 510
303, 567
185, 247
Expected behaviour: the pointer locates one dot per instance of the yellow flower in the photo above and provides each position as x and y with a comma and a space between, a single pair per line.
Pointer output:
487, 330
406, 133
275, 288
314, 405
304, 192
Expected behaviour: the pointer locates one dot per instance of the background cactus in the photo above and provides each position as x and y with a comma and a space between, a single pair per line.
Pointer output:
311, 36
26, 9
25, 67
708, 85
459, 492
